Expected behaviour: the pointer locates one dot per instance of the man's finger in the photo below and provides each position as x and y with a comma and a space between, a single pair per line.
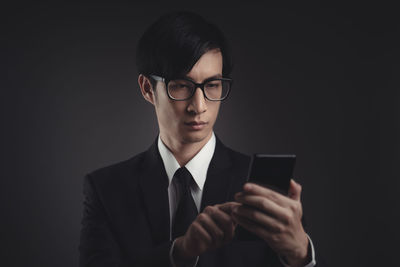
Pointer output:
251, 226
254, 189
294, 190
263, 204
224, 222
221, 218
211, 227
200, 233
258, 217
227, 207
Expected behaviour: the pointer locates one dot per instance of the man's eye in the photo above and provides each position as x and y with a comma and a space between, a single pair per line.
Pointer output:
179, 85
213, 85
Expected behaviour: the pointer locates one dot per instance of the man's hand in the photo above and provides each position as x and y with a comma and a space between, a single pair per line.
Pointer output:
275, 218
211, 229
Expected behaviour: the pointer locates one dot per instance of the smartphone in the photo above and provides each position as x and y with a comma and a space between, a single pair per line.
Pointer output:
272, 171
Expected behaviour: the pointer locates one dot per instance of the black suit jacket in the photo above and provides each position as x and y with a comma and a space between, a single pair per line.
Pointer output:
126, 218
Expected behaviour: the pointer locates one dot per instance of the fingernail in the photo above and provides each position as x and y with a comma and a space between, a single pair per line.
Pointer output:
247, 186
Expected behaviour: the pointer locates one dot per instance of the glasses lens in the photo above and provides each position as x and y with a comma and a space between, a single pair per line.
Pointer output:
180, 89
217, 89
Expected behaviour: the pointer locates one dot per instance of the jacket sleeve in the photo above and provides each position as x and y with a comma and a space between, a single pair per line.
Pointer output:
98, 245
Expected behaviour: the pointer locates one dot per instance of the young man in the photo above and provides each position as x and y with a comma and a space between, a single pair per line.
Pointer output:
179, 203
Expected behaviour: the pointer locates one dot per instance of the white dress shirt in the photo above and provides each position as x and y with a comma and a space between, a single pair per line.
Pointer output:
198, 167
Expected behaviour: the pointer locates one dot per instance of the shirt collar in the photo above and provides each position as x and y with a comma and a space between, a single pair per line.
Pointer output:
197, 166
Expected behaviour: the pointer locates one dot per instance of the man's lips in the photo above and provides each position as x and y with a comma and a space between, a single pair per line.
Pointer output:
196, 125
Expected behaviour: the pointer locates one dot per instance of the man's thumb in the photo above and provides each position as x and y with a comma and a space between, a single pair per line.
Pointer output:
294, 190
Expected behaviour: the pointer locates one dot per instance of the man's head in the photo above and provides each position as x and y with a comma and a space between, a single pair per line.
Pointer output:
182, 45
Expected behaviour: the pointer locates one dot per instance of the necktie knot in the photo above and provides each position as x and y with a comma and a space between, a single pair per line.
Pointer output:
184, 177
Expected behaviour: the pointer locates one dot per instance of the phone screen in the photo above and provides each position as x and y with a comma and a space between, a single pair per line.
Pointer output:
273, 171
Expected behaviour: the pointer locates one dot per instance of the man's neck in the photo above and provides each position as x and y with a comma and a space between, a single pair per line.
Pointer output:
184, 152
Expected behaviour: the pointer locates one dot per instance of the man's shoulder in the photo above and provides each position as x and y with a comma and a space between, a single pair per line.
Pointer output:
236, 158
117, 172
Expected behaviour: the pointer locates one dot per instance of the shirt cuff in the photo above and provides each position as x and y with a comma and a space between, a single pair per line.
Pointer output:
312, 263
192, 263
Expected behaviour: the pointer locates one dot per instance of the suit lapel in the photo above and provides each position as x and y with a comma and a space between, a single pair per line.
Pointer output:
154, 186
216, 188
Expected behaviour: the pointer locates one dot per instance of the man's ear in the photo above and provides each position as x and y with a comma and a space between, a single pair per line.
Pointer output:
146, 88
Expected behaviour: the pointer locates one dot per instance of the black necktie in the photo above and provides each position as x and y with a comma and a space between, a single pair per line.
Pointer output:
186, 211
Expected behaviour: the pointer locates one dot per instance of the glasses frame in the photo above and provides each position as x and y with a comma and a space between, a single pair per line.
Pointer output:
197, 85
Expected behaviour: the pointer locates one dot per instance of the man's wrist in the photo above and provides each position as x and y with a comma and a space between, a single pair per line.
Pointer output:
301, 257
178, 252
310, 254
178, 255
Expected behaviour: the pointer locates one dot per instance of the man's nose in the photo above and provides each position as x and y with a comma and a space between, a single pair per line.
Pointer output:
197, 102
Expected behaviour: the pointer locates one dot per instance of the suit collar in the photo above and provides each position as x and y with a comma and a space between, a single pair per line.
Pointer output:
154, 186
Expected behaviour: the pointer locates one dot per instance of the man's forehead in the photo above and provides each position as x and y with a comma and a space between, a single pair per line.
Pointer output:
208, 66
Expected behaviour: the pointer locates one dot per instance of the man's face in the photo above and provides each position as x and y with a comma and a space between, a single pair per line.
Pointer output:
191, 120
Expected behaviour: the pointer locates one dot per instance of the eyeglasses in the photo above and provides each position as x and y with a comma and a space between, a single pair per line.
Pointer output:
214, 89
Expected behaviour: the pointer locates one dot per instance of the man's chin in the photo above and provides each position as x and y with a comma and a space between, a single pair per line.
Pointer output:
196, 137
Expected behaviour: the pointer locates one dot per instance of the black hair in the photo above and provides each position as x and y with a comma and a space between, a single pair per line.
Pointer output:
175, 42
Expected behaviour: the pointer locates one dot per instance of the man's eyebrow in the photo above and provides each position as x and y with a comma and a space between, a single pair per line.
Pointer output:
216, 76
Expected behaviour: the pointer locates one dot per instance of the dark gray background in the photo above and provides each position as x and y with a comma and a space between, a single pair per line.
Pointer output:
318, 82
